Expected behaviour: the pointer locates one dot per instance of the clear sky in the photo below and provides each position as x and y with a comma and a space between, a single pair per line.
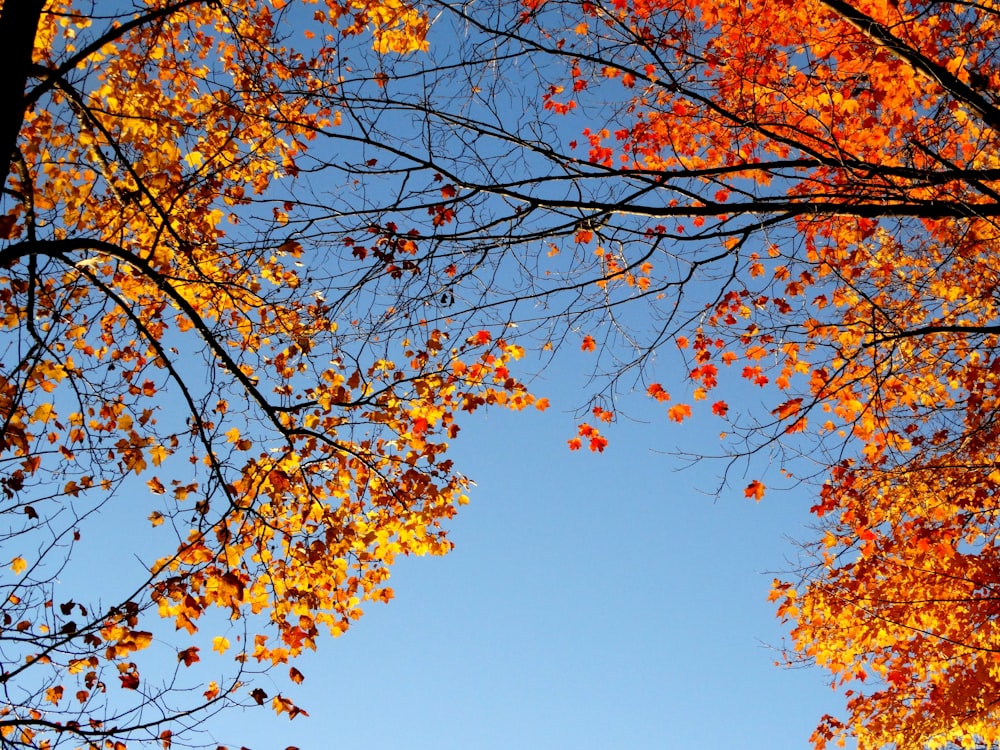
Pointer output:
592, 601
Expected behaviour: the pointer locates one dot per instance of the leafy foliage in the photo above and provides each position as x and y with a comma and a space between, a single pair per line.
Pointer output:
218, 241
159, 325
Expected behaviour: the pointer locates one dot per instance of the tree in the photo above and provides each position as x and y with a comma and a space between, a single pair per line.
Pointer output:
159, 327
798, 196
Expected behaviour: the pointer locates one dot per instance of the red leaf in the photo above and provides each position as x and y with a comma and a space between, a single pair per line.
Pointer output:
130, 680
189, 656
657, 392
598, 443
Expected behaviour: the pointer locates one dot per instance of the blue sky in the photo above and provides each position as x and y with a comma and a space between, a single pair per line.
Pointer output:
592, 601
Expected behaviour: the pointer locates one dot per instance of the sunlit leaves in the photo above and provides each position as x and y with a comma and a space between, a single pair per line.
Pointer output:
589, 435
155, 321
841, 158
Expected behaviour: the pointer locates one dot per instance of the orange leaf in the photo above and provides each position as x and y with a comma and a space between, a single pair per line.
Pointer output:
754, 490
657, 392
679, 413
788, 409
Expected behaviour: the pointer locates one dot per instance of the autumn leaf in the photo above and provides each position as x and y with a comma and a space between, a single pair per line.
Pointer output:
679, 413
129, 680
188, 656
754, 490
788, 408
657, 392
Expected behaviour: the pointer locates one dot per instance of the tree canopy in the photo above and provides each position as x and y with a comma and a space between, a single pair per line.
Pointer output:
263, 255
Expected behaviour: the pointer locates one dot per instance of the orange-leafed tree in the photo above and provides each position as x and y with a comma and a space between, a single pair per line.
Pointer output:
169, 356
221, 232
795, 202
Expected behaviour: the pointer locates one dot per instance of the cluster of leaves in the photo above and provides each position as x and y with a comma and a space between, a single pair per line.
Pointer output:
875, 124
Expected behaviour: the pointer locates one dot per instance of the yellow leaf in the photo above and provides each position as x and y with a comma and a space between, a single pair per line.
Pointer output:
18, 565
220, 644
157, 453
42, 414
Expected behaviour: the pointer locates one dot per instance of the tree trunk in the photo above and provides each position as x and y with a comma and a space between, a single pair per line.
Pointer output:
18, 24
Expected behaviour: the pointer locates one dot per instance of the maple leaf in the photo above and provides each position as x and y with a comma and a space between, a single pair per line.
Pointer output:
788, 408
657, 392
188, 656
679, 412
